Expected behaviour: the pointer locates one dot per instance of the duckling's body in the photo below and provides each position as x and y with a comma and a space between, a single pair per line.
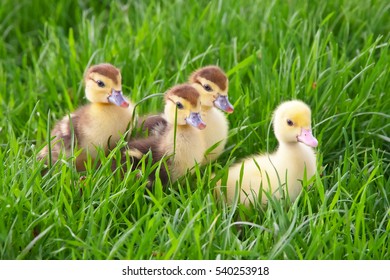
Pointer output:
215, 133
279, 173
180, 140
186, 152
107, 123
95, 125
213, 84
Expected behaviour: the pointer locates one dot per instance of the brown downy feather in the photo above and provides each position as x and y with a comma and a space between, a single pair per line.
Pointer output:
152, 125
64, 132
135, 151
212, 73
105, 69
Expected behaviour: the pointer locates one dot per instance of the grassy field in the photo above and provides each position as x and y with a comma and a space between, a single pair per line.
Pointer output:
334, 55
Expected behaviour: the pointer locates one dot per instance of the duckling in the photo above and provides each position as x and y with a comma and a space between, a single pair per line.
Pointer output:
286, 167
180, 141
213, 84
94, 125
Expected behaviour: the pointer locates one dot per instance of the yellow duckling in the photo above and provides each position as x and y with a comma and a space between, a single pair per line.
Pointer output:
98, 124
284, 168
213, 84
180, 140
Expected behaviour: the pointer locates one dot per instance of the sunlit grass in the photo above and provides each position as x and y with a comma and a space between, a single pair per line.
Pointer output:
334, 55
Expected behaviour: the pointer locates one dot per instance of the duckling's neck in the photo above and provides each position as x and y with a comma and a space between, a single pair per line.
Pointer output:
109, 122
184, 128
290, 146
187, 147
295, 151
105, 105
109, 106
206, 108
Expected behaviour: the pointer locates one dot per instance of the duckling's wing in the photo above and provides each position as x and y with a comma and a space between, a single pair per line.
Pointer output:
137, 148
153, 125
64, 133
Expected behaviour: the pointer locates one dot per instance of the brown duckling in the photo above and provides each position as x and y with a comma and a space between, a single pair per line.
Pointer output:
212, 84
98, 124
180, 140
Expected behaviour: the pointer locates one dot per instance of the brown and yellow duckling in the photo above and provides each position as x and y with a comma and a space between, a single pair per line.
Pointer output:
213, 84
98, 124
180, 140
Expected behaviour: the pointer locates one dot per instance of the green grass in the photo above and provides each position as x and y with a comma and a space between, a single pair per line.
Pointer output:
334, 55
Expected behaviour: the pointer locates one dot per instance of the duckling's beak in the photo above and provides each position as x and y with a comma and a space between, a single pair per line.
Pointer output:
222, 102
307, 138
195, 120
116, 97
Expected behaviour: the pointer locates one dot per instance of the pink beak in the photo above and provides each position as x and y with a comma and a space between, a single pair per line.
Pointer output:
307, 138
118, 99
222, 102
196, 121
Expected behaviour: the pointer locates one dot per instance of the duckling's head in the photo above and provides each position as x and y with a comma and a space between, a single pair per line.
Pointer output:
212, 84
182, 106
292, 123
103, 84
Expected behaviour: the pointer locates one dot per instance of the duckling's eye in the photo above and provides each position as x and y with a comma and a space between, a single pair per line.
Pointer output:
179, 105
207, 87
290, 122
100, 83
